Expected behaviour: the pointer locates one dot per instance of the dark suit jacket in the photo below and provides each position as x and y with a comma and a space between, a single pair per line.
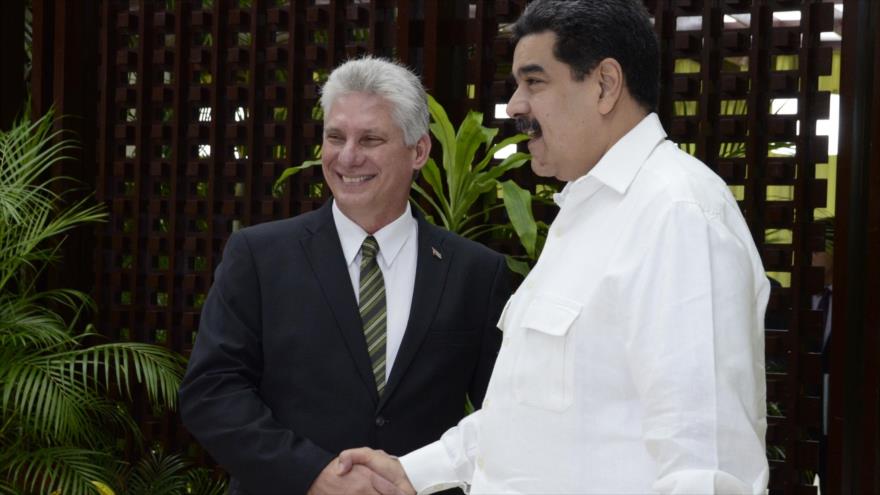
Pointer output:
279, 381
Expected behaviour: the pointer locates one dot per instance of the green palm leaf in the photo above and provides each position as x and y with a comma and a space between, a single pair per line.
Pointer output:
66, 470
57, 421
158, 474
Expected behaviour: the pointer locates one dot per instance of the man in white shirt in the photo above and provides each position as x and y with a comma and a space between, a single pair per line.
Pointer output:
633, 357
355, 324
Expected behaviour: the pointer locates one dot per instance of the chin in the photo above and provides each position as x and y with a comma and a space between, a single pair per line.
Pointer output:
541, 170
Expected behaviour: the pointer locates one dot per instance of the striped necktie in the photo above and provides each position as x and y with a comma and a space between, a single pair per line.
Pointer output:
373, 309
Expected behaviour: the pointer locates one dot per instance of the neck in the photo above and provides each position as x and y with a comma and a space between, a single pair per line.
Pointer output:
627, 114
373, 222
623, 118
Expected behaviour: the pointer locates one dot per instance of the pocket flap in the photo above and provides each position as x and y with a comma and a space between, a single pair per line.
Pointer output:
550, 314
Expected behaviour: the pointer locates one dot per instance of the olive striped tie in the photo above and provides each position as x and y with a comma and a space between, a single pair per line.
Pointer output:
373, 309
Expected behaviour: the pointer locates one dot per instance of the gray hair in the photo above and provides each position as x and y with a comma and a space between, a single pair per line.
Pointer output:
388, 79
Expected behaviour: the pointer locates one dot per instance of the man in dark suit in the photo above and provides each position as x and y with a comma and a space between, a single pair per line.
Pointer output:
356, 324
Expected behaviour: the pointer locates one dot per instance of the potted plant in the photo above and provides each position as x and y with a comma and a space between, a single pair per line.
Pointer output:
58, 421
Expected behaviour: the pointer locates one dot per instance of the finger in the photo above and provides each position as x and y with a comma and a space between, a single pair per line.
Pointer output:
350, 457
384, 486
343, 464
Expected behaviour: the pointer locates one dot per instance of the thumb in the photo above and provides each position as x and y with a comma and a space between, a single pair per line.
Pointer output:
385, 487
343, 464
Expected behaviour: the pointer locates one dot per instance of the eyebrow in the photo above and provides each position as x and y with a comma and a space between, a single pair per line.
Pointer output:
529, 69
371, 130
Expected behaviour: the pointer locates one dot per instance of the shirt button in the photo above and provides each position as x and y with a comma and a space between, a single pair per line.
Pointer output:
485, 403
480, 463
381, 421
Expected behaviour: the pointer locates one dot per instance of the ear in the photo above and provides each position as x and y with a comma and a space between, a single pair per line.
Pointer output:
422, 150
609, 75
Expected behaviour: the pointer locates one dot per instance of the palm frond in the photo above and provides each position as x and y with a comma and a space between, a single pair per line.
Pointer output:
158, 474
26, 325
68, 470
56, 420
200, 481
7, 488
58, 392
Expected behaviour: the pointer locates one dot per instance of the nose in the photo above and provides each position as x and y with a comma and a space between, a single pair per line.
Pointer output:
350, 155
517, 105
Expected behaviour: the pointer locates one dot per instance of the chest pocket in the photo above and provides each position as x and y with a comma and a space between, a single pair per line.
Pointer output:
544, 374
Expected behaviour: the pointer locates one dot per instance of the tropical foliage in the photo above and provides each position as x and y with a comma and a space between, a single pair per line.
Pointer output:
158, 473
463, 190
59, 422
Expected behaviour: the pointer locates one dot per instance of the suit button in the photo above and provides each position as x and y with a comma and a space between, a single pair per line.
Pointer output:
381, 421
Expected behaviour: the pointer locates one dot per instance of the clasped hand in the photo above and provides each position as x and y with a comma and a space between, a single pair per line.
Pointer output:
363, 471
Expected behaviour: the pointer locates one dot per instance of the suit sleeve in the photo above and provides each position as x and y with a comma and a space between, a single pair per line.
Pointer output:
500, 292
220, 401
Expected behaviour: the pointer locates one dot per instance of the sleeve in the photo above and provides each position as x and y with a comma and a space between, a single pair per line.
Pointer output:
220, 401
694, 341
446, 463
500, 292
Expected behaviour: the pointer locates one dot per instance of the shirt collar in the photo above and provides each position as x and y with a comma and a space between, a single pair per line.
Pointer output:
391, 237
619, 166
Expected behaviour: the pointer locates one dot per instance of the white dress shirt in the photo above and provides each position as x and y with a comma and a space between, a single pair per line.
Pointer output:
398, 242
633, 353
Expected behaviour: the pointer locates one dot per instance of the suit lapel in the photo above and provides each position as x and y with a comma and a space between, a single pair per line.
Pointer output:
432, 266
324, 252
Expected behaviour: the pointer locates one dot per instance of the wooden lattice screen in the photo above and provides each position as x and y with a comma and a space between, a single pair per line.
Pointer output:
201, 104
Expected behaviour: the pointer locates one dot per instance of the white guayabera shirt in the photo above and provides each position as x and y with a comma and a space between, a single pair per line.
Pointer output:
633, 353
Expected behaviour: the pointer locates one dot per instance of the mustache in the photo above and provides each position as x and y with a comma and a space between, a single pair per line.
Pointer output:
528, 126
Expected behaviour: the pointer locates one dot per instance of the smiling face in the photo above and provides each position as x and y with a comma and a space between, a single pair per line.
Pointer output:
366, 163
561, 114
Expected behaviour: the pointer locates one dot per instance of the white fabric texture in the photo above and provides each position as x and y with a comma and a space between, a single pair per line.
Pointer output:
398, 250
633, 353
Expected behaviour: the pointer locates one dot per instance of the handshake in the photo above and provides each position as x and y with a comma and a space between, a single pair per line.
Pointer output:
363, 471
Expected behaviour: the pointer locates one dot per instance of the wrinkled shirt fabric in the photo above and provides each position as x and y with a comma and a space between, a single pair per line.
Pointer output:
633, 353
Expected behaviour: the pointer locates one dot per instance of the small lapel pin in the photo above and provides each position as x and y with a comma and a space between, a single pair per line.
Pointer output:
436, 253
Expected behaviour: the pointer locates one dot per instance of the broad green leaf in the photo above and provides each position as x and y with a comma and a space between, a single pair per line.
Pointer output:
441, 212
441, 128
278, 187
439, 113
513, 161
517, 266
498, 147
432, 176
471, 135
518, 203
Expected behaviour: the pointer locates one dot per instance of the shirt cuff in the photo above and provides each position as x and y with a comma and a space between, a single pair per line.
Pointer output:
430, 470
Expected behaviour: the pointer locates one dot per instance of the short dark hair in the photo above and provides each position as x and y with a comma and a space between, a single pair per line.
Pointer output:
588, 31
